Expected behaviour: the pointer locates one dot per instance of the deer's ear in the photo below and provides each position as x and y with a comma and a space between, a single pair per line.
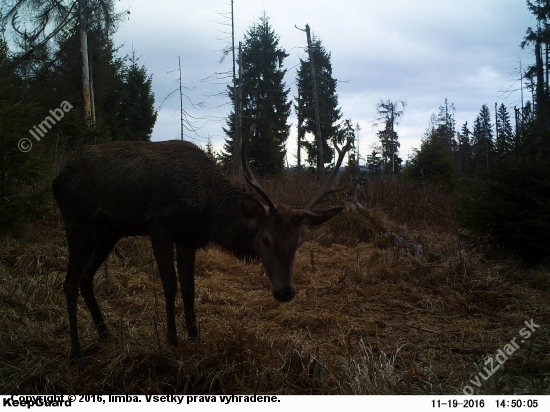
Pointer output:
252, 208
318, 217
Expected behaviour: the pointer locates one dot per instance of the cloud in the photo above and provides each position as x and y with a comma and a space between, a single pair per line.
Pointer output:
421, 52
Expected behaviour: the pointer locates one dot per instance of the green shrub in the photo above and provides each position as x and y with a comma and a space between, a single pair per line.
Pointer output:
510, 208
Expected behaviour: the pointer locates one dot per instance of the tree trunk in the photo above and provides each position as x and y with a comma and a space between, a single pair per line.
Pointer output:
318, 138
300, 131
181, 99
92, 98
392, 147
239, 168
85, 65
236, 141
541, 109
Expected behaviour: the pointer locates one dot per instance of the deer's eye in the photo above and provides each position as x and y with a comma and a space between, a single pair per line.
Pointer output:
266, 241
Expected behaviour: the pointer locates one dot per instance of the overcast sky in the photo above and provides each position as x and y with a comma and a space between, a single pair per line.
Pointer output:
420, 51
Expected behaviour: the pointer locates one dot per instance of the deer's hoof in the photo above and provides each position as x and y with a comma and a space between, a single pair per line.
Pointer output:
105, 336
192, 332
76, 358
173, 340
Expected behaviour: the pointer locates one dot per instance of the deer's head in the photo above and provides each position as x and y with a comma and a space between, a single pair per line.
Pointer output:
278, 226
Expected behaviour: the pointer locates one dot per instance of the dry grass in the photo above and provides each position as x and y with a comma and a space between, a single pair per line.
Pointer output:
369, 316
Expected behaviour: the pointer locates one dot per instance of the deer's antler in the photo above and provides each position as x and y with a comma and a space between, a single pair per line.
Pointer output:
250, 179
327, 187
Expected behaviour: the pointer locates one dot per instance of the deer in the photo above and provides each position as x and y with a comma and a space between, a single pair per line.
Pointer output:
173, 193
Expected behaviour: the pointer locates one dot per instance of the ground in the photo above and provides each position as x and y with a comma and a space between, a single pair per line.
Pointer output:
370, 316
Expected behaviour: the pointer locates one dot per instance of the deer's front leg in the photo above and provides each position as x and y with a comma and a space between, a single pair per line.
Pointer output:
164, 255
186, 272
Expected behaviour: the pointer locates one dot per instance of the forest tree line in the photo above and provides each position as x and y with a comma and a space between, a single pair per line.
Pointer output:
501, 162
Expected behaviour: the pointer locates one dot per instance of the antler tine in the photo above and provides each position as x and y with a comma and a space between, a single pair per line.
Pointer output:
327, 187
250, 179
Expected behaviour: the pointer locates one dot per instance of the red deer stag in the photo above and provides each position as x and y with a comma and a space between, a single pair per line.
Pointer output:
171, 192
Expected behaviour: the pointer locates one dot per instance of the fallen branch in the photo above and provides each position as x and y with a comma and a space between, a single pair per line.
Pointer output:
413, 247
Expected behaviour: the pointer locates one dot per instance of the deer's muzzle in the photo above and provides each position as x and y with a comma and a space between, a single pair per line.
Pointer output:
284, 295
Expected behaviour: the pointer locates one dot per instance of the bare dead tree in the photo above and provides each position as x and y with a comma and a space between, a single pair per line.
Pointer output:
318, 138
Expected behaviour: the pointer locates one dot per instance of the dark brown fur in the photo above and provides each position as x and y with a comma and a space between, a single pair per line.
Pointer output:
171, 192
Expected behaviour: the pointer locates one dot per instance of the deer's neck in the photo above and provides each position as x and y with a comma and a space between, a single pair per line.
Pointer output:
229, 228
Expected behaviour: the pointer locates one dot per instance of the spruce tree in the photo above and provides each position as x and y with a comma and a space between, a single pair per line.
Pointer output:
389, 140
124, 103
264, 100
446, 124
510, 206
329, 112
505, 134
390, 115
464, 149
375, 162
538, 73
345, 133
48, 18
482, 141
433, 161
23, 164
209, 150
136, 114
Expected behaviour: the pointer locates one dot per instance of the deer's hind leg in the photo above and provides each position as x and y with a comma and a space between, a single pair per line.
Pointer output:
87, 251
186, 273
79, 253
101, 250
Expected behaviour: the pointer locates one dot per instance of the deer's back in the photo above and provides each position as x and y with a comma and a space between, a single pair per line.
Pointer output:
136, 187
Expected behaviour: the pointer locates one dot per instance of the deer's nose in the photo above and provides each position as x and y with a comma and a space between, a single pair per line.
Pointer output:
284, 295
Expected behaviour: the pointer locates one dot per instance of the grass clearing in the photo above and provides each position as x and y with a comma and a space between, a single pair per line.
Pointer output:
370, 316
